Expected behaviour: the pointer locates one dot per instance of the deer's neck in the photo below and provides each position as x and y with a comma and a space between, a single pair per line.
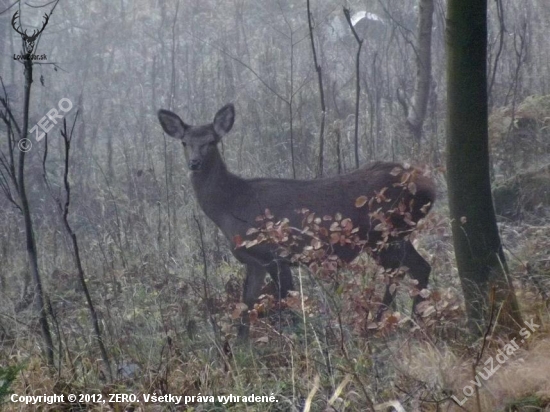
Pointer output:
216, 188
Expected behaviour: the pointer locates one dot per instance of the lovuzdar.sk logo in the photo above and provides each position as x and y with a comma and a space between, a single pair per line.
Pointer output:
28, 40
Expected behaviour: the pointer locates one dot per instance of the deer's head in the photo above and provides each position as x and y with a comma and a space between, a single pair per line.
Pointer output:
199, 142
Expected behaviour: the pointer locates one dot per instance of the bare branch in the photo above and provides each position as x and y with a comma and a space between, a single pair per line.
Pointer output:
321, 92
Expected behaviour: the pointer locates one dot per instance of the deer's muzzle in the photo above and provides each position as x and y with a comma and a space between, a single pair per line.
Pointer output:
195, 164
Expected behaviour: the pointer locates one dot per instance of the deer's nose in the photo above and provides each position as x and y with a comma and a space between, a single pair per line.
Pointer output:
195, 164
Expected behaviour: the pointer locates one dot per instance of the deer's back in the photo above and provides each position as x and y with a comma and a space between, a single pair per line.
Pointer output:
328, 196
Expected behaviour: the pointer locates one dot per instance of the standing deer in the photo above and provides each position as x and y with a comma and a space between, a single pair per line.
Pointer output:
233, 204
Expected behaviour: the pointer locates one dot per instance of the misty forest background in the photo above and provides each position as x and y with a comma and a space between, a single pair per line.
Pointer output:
164, 286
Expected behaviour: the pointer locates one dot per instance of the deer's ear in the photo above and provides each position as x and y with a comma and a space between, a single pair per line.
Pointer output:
223, 121
172, 124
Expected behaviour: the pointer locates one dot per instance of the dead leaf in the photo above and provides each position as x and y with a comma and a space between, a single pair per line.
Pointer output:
428, 311
251, 243
334, 238
239, 309
380, 227
316, 243
238, 240
409, 221
422, 306
361, 201
424, 209
436, 296
334, 227
393, 319
395, 171
425, 293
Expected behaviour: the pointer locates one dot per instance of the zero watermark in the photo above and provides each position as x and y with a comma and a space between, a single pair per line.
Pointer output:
491, 366
65, 105
44, 125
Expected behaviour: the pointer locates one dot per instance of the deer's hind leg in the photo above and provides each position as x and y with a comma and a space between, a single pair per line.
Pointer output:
282, 276
253, 283
399, 254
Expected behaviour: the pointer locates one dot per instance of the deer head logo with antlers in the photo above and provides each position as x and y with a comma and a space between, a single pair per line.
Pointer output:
28, 40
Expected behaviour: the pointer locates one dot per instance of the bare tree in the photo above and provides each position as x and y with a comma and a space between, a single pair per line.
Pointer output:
63, 207
357, 87
321, 93
18, 197
417, 111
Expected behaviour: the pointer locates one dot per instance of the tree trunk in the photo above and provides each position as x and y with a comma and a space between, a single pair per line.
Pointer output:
479, 255
417, 111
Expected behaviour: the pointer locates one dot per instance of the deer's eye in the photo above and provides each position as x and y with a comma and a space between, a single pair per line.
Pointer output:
183, 143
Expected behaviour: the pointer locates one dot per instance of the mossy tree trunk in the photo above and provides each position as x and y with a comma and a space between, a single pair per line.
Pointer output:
479, 255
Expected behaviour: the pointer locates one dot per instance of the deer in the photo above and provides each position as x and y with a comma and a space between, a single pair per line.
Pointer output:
233, 203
